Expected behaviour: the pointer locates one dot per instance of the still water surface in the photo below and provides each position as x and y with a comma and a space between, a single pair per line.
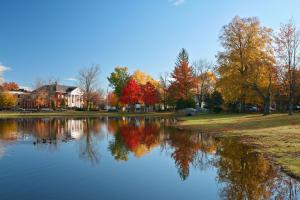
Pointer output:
129, 158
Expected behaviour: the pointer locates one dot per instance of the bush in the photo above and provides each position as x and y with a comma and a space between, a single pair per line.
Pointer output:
217, 109
181, 103
79, 109
53, 105
215, 102
63, 103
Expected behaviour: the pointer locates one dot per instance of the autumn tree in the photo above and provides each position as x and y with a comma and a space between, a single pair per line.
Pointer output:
263, 80
88, 79
10, 86
205, 80
118, 79
112, 99
164, 85
142, 78
97, 99
244, 64
183, 81
7, 100
287, 48
150, 94
131, 93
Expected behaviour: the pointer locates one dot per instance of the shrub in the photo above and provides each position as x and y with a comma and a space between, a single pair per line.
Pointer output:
181, 103
215, 102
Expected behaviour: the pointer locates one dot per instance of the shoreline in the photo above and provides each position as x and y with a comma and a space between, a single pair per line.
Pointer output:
276, 137
4, 115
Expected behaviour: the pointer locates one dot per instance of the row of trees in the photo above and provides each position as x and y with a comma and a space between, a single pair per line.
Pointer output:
256, 66
175, 90
138, 88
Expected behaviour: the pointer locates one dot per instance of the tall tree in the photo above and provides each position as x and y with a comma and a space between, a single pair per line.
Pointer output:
287, 48
245, 57
205, 79
263, 79
164, 85
183, 82
118, 79
88, 80
131, 93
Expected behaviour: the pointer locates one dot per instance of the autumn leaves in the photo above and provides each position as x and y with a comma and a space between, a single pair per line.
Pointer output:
139, 88
256, 66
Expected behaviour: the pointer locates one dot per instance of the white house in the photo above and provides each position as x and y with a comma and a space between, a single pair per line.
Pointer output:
74, 97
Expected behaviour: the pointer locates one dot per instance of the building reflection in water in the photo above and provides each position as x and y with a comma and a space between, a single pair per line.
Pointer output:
242, 173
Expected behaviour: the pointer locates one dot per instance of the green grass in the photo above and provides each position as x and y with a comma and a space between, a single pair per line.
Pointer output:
277, 136
82, 114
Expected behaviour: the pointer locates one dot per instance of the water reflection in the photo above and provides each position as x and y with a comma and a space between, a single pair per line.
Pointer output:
240, 173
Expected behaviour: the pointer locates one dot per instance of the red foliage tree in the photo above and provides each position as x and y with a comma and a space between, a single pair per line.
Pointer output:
150, 94
131, 93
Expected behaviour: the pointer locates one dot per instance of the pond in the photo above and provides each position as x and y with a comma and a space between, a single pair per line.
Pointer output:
130, 158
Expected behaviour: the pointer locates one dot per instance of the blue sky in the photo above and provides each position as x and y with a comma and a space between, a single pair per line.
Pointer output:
57, 38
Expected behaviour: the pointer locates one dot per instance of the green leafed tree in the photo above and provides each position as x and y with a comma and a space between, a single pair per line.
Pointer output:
118, 79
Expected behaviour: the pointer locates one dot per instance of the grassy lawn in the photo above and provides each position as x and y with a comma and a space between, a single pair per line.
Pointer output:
83, 114
277, 135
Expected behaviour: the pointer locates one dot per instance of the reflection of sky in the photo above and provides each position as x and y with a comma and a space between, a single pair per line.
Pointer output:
2, 150
89, 170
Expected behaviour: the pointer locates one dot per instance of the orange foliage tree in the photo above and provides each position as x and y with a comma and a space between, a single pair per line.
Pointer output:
184, 81
112, 99
10, 86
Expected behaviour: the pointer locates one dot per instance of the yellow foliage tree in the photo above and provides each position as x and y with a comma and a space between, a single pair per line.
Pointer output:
246, 66
7, 100
142, 78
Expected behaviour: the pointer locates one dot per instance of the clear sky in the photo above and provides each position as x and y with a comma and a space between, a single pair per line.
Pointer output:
57, 38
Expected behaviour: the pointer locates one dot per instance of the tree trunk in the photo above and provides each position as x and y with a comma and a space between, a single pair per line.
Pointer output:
291, 101
243, 104
267, 105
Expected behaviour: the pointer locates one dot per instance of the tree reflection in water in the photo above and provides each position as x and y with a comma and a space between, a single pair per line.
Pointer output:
89, 147
248, 175
242, 173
